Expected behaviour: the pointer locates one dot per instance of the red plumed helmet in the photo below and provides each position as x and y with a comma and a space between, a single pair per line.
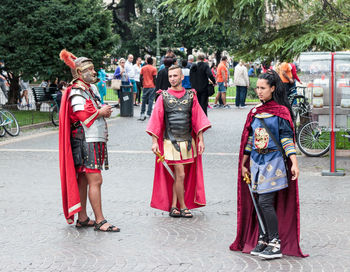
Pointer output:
68, 58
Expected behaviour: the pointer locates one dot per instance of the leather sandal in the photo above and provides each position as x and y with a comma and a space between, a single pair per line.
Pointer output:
174, 212
109, 229
186, 213
84, 224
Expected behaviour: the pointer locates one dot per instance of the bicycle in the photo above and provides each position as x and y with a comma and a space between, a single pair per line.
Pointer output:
54, 111
8, 123
300, 107
314, 140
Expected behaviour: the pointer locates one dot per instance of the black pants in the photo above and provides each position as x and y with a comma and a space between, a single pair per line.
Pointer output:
267, 211
139, 90
287, 87
203, 100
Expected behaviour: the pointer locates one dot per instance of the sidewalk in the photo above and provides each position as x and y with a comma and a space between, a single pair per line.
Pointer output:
34, 235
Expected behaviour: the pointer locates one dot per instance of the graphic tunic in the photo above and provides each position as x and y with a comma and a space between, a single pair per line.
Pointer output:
267, 166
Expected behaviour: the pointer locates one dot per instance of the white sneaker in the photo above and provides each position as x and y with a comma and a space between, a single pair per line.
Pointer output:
142, 117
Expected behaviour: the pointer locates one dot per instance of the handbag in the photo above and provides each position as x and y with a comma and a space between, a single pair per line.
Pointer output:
211, 89
279, 147
116, 83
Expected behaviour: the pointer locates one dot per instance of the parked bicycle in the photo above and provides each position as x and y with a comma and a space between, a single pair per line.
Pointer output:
8, 123
54, 109
314, 140
300, 106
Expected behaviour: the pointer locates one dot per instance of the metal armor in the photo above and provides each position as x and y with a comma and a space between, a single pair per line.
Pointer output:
97, 132
178, 114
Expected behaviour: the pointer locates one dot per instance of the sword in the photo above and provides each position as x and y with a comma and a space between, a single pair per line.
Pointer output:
247, 180
162, 159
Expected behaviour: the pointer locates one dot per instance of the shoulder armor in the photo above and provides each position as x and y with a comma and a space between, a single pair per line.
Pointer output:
78, 91
78, 99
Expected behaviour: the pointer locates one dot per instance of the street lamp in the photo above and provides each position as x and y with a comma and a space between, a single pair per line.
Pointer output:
158, 14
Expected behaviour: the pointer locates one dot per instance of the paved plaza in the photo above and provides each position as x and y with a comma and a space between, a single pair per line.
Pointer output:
34, 235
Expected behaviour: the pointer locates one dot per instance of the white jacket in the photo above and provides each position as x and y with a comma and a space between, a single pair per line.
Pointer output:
240, 76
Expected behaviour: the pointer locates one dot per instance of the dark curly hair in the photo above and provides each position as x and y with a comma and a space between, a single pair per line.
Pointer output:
279, 95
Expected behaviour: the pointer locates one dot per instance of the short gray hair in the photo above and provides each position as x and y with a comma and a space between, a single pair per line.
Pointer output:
190, 57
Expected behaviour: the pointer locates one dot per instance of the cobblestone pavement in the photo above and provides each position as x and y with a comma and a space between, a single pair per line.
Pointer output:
35, 237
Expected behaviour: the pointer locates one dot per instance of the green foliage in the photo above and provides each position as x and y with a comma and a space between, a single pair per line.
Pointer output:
174, 33
36, 31
313, 25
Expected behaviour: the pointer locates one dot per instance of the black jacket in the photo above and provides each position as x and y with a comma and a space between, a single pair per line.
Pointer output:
199, 75
162, 81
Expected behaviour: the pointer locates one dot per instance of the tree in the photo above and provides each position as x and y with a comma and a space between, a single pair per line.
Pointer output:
174, 33
36, 32
313, 25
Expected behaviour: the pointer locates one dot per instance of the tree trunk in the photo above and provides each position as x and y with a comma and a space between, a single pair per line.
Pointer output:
129, 9
218, 57
14, 92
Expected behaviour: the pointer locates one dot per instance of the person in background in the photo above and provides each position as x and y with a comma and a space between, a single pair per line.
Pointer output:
241, 81
200, 75
102, 84
162, 82
122, 75
130, 71
294, 74
137, 69
190, 61
145, 60
3, 81
24, 92
148, 75
169, 54
285, 73
62, 86
186, 72
213, 69
222, 80
251, 71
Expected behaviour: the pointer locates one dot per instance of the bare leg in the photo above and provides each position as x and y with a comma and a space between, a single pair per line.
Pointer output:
217, 98
223, 97
95, 182
82, 184
179, 184
174, 202
135, 98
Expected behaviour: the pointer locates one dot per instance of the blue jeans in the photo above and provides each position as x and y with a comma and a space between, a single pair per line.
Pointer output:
222, 88
134, 86
241, 93
148, 95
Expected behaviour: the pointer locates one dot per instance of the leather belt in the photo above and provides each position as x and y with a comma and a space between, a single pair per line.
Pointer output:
265, 150
75, 125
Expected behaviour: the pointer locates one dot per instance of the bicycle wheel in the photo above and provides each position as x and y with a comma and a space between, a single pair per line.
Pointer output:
54, 116
2, 130
10, 123
313, 140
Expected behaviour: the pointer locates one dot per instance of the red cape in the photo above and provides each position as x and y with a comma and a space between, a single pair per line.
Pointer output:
287, 201
69, 184
163, 183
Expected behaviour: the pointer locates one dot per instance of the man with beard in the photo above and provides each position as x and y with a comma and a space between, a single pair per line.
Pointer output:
176, 126
82, 145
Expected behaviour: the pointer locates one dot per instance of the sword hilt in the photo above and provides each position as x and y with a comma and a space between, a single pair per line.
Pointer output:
246, 178
160, 157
